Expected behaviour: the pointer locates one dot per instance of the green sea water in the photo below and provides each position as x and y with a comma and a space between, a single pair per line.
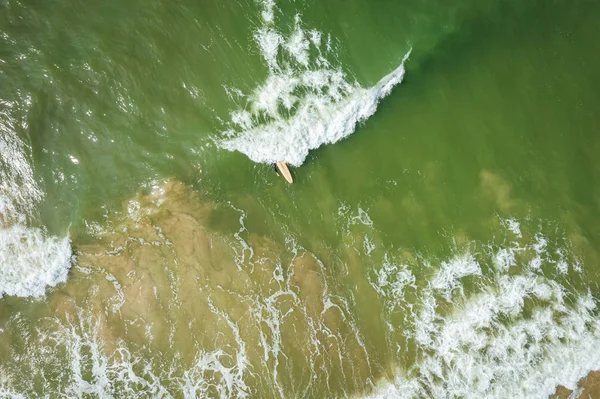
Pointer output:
446, 248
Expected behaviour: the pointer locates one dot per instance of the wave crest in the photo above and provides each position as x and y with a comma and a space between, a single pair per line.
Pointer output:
304, 101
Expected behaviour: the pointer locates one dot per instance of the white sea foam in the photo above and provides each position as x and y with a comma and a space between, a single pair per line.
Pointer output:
30, 259
508, 335
391, 282
209, 369
268, 14
304, 102
243, 248
95, 371
91, 366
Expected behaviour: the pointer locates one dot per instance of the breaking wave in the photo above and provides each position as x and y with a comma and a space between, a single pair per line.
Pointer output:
305, 102
495, 321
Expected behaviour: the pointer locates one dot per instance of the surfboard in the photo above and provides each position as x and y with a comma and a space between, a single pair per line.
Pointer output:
285, 172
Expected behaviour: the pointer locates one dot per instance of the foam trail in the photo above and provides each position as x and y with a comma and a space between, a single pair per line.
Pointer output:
304, 102
30, 259
229, 380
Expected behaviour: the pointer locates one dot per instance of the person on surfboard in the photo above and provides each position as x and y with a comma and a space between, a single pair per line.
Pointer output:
282, 170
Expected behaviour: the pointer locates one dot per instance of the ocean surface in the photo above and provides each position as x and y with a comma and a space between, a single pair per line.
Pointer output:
441, 238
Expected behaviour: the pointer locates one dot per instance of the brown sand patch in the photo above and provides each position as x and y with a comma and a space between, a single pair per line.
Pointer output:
183, 292
162, 281
588, 388
496, 188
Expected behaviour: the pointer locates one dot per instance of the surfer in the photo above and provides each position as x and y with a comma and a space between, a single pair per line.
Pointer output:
282, 169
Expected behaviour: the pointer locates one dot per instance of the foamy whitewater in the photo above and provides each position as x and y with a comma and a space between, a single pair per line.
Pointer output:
305, 102
30, 259
513, 331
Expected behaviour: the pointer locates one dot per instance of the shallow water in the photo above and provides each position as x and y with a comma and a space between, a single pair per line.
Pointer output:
440, 239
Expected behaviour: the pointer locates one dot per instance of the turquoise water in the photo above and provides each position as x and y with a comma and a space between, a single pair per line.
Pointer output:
440, 238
